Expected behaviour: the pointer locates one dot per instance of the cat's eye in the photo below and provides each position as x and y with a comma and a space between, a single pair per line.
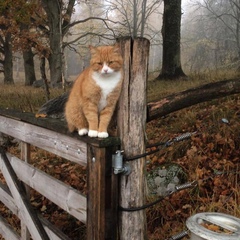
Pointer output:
110, 62
99, 63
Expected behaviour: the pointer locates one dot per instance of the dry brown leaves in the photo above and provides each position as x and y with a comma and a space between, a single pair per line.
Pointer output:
212, 157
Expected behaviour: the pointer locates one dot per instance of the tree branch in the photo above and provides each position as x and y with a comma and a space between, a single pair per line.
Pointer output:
163, 107
68, 15
110, 37
191, 97
93, 18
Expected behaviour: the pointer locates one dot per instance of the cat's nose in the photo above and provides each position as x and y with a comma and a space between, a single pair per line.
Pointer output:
105, 70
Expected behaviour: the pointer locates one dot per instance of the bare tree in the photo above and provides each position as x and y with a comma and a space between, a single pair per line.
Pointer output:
218, 32
28, 60
134, 16
171, 33
226, 15
58, 27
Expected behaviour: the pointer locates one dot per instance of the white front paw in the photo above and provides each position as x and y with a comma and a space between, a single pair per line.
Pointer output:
102, 134
92, 133
82, 131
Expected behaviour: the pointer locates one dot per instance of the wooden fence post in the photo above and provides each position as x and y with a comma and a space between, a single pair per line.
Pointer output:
96, 193
131, 127
102, 194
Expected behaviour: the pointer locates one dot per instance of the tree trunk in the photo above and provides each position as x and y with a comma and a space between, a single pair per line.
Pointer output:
44, 77
8, 61
166, 105
28, 56
55, 60
29, 69
171, 33
131, 126
192, 96
53, 10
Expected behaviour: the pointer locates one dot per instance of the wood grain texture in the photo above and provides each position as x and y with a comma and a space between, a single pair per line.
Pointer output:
103, 185
57, 143
131, 127
7, 231
58, 126
66, 197
192, 96
102, 197
25, 156
96, 194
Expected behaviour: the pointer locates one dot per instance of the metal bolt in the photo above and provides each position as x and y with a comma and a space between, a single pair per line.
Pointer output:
55, 142
78, 151
67, 147
93, 159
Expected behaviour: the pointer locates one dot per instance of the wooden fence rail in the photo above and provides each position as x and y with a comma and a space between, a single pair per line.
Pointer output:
51, 135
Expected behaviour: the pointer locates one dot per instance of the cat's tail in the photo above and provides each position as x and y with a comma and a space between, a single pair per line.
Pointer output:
53, 108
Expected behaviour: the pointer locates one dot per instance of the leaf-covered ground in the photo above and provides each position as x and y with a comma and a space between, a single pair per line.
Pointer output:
211, 157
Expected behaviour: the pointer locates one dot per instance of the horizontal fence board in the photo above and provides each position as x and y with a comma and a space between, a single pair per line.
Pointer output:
53, 232
66, 197
57, 126
57, 143
7, 231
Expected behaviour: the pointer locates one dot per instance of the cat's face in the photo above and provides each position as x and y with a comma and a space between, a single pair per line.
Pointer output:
106, 59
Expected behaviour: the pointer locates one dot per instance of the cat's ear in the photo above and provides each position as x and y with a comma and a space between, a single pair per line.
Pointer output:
93, 50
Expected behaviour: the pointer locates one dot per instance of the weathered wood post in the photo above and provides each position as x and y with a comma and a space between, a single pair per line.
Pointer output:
102, 191
96, 194
131, 127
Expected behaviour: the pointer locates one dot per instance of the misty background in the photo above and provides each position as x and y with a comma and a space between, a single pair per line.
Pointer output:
209, 34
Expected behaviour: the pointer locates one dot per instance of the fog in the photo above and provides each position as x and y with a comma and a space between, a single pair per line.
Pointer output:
209, 34
210, 37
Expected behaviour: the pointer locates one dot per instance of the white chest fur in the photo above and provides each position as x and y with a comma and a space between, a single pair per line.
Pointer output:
107, 82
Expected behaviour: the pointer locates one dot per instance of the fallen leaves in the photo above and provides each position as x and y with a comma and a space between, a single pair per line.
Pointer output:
212, 157
40, 115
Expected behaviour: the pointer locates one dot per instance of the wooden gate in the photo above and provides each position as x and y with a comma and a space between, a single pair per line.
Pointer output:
97, 209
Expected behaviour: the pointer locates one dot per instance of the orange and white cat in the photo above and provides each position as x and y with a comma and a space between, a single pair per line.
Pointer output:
94, 95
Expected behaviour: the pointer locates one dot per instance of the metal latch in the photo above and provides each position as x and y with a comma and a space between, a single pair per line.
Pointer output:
118, 165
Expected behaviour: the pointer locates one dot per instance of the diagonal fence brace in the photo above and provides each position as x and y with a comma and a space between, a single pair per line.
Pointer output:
28, 214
